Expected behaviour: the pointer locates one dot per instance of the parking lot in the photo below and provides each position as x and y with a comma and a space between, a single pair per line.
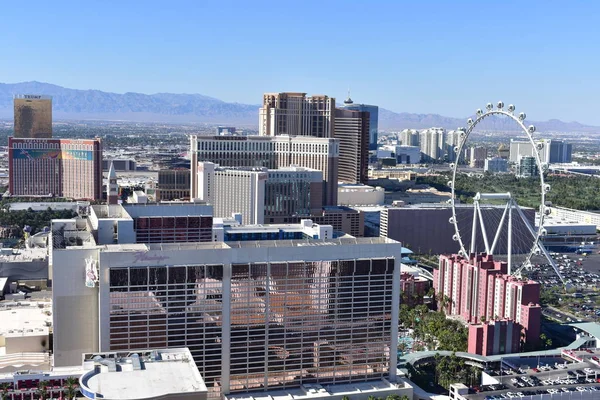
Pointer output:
577, 371
581, 301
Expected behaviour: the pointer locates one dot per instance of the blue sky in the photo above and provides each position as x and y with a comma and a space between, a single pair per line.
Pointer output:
446, 57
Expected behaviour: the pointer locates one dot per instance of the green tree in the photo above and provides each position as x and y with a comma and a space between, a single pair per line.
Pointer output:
4, 391
71, 387
42, 390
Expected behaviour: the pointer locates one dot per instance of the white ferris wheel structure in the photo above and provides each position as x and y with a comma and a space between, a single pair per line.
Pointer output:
509, 214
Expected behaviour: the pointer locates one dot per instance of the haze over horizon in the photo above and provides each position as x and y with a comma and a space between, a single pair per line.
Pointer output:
439, 57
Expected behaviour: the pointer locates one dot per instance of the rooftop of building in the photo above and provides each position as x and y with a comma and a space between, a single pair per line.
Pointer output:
338, 208
266, 138
163, 209
32, 96
446, 205
591, 328
295, 168
344, 241
141, 375
235, 226
23, 255
169, 209
311, 391
357, 187
554, 221
25, 318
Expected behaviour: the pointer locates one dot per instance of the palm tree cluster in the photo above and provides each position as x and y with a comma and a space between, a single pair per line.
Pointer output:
452, 369
434, 329
70, 389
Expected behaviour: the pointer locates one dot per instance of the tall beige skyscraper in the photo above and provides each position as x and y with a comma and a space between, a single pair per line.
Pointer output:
296, 114
33, 116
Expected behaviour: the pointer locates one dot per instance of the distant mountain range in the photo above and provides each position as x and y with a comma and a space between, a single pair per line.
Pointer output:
77, 104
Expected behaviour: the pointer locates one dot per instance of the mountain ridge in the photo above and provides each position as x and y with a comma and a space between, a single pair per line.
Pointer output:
95, 104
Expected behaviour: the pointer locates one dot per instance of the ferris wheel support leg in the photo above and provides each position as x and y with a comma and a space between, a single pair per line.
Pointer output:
540, 246
483, 231
473, 231
526, 221
509, 244
499, 228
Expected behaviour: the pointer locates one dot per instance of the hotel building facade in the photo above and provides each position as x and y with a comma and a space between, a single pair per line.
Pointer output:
69, 168
271, 152
294, 113
480, 290
255, 315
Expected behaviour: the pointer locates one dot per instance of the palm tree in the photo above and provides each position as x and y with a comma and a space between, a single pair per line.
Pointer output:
4, 391
402, 346
71, 389
42, 390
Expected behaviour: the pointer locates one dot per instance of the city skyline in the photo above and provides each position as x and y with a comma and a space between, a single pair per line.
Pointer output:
480, 49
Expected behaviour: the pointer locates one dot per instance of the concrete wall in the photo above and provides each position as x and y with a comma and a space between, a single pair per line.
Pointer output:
26, 344
75, 307
349, 197
125, 231
427, 230
25, 270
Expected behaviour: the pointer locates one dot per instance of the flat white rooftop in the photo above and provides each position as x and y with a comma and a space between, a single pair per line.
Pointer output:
248, 244
157, 373
25, 320
23, 255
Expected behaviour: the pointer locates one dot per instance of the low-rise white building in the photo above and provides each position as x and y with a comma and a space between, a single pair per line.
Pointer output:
24, 335
360, 195
148, 374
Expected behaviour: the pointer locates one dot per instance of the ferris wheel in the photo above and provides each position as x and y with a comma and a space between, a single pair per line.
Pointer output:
495, 223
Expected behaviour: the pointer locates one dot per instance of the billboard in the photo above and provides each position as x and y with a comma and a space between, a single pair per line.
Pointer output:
35, 154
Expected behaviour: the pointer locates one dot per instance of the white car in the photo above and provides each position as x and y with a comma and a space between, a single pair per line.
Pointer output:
514, 380
588, 370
